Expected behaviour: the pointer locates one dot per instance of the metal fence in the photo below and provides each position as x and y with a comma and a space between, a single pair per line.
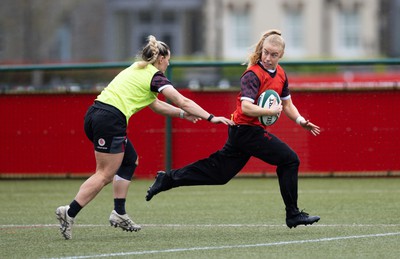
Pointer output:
92, 77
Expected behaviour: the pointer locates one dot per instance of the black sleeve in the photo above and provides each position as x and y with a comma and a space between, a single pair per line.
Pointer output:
285, 89
159, 82
249, 84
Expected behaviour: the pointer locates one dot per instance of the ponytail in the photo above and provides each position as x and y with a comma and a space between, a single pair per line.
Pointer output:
152, 50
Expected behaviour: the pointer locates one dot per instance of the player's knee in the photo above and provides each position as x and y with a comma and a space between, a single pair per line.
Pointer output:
127, 168
290, 157
294, 159
289, 162
102, 177
126, 172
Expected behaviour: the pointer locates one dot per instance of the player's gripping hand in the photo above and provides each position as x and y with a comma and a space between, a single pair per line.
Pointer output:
275, 109
191, 117
220, 119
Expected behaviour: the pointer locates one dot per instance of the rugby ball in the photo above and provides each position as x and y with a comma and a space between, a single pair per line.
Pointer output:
266, 100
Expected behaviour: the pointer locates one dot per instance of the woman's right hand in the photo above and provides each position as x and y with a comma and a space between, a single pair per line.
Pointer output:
275, 109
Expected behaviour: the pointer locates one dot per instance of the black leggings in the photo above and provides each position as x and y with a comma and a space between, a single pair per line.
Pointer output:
243, 142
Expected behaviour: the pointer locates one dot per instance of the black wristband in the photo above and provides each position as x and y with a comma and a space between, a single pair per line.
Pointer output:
210, 117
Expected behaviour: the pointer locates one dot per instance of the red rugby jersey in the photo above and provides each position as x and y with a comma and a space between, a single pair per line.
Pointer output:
254, 81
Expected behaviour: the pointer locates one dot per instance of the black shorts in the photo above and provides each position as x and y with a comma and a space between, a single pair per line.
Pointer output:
105, 126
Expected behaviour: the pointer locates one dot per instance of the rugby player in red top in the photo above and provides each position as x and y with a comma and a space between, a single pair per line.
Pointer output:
248, 137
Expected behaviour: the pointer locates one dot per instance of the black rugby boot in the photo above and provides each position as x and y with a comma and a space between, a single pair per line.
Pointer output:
302, 218
162, 183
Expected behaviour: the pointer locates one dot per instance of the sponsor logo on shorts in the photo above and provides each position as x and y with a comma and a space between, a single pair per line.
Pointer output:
101, 142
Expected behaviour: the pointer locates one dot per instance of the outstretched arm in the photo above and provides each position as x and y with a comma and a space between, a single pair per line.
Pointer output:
192, 108
167, 109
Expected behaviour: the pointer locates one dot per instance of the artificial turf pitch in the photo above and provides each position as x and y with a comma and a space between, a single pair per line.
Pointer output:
360, 218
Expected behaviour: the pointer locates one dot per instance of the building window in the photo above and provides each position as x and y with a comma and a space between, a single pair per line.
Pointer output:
239, 34
241, 27
349, 42
145, 16
62, 46
168, 17
2, 44
293, 33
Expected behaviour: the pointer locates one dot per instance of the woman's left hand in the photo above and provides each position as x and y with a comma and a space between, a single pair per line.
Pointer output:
314, 129
191, 117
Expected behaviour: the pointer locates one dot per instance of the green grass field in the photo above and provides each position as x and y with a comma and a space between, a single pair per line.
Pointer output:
360, 218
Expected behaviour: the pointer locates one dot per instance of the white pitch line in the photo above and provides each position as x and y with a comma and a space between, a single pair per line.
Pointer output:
197, 225
175, 250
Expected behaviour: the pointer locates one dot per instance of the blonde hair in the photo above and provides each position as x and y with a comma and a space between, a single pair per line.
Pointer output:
274, 37
152, 50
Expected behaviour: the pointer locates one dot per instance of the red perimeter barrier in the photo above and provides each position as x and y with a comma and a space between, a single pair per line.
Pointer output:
42, 134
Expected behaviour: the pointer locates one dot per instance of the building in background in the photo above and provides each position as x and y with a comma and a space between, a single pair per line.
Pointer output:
312, 28
179, 23
43, 31
389, 25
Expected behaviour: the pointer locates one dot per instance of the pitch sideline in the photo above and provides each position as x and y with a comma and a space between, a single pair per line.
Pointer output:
230, 246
